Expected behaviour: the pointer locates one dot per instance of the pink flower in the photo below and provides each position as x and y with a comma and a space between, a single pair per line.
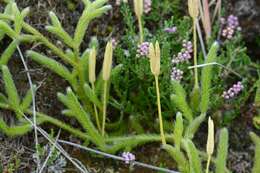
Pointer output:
233, 91
128, 157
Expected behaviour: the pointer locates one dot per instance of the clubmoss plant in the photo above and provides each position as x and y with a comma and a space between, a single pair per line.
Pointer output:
188, 157
73, 67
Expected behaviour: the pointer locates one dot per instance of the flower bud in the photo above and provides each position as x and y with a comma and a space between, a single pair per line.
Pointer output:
107, 63
210, 142
155, 57
92, 65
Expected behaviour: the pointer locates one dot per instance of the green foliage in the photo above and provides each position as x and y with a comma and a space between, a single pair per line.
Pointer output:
178, 130
222, 153
194, 160
71, 101
52, 65
194, 126
12, 94
206, 77
17, 130
179, 157
256, 140
7, 54
179, 98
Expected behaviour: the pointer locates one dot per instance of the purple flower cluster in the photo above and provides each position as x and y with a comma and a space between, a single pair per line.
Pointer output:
128, 157
185, 53
176, 74
143, 49
231, 25
147, 6
233, 91
170, 29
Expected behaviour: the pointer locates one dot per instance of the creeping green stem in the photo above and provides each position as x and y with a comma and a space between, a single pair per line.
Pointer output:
47, 43
159, 110
104, 108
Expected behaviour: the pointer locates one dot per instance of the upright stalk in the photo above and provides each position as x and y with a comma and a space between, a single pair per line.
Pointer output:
141, 32
159, 110
104, 108
95, 109
208, 163
195, 53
